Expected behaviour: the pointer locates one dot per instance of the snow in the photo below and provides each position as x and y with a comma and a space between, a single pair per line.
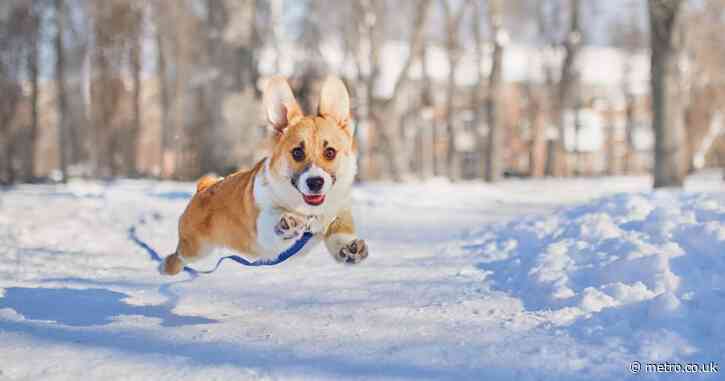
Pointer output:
533, 280
642, 249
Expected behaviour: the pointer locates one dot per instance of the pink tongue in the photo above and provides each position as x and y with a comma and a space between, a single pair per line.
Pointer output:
315, 199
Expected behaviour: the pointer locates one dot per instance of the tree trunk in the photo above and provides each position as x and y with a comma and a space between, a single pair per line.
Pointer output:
494, 161
454, 52
452, 165
668, 110
181, 53
181, 27
135, 58
537, 126
477, 98
578, 165
630, 149
568, 76
34, 94
11, 93
210, 106
106, 89
390, 129
247, 73
61, 88
368, 21
428, 126
165, 154
612, 166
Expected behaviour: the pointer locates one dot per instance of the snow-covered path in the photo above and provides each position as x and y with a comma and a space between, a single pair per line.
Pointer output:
435, 299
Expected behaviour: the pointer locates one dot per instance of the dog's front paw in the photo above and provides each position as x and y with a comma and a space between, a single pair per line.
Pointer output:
290, 226
354, 252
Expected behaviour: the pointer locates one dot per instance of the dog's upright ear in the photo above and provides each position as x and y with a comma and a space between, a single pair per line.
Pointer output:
280, 104
335, 102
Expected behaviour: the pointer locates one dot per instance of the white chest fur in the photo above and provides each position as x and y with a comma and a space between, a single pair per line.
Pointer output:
275, 196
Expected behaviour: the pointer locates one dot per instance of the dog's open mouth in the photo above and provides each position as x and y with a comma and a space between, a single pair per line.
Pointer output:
314, 199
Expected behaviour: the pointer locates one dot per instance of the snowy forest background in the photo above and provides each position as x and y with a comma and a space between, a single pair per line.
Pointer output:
454, 88
570, 268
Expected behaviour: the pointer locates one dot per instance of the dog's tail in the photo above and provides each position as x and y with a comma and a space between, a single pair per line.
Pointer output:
206, 182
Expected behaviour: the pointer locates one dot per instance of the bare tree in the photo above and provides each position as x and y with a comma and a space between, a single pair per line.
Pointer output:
246, 44
668, 119
477, 94
385, 115
173, 34
181, 28
166, 135
428, 131
207, 65
494, 162
535, 109
105, 89
628, 35
704, 81
454, 53
392, 132
13, 44
61, 85
567, 81
136, 20
8, 107
368, 45
33, 74
539, 100
543, 105
19, 63
209, 130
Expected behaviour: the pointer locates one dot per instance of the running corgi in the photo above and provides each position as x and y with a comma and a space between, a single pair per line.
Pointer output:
304, 185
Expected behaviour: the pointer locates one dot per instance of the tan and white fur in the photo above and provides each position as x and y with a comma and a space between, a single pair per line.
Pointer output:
304, 185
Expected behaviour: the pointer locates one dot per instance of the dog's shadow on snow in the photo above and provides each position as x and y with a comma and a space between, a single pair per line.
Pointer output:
86, 307
89, 307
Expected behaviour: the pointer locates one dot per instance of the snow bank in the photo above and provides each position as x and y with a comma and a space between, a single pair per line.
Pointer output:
648, 267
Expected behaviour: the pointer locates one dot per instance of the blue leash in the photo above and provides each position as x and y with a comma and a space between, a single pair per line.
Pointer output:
285, 255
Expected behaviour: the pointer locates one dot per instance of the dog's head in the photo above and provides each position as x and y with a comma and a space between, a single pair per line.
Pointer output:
312, 164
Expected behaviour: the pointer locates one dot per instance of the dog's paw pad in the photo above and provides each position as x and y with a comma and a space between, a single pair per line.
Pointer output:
354, 252
289, 226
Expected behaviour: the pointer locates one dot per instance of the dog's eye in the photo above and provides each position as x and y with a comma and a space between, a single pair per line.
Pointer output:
298, 154
330, 153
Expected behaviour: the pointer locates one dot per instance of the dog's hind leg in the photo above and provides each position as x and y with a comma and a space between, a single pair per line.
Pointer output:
186, 251
341, 241
172, 265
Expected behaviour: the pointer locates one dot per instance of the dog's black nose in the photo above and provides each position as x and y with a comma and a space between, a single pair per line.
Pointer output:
315, 183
